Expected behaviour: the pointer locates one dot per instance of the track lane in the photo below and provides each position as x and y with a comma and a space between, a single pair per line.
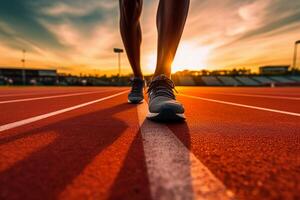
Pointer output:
257, 96
55, 113
174, 172
254, 153
250, 151
49, 97
284, 91
96, 152
22, 110
9, 91
278, 104
31, 93
36, 95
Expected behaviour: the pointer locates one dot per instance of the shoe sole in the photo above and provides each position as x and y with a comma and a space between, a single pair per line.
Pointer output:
135, 101
166, 115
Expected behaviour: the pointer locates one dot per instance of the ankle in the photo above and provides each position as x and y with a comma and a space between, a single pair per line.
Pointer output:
161, 74
138, 77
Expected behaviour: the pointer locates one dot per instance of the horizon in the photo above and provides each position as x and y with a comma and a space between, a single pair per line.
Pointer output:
76, 37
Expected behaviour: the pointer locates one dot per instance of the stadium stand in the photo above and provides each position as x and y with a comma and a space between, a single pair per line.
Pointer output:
198, 80
186, 81
263, 79
281, 79
211, 81
229, 81
19, 76
295, 78
247, 81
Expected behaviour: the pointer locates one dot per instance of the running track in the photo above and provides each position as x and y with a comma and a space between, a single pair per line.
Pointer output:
88, 143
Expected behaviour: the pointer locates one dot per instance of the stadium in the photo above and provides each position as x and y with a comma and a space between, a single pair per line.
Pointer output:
267, 76
149, 100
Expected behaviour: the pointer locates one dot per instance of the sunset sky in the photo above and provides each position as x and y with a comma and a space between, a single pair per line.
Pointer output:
77, 36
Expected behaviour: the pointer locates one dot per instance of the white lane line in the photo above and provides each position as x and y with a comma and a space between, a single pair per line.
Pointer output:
52, 97
257, 95
35, 93
44, 116
242, 105
173, 171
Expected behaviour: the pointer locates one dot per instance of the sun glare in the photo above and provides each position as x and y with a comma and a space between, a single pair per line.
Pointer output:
189, 56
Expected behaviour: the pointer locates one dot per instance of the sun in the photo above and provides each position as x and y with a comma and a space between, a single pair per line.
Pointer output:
189, 56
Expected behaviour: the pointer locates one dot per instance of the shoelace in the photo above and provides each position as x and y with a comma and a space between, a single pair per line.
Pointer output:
136, 85
162, 87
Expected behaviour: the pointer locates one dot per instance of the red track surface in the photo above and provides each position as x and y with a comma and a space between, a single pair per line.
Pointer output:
96, 151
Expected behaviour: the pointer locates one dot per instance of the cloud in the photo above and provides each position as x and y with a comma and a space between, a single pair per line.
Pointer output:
244, 33
78, 8
20, 18
78, 35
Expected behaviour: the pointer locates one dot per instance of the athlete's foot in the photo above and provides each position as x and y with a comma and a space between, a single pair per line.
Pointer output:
136, 94
163, 106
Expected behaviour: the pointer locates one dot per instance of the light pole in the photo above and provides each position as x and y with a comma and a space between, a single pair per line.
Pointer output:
295, 54
23, 60
119, 51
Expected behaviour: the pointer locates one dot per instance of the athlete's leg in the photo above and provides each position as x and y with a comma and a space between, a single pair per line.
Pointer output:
171, 17
130, 11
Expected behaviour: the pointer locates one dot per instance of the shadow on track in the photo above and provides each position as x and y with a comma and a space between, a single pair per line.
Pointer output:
182, 131
46, 172
132, 181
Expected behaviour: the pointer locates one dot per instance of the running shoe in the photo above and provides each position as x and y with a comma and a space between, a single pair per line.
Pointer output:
163, 106
136, 94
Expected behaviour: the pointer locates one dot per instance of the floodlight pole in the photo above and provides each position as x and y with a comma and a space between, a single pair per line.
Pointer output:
119, 64
119, 51
23, 60
295, 54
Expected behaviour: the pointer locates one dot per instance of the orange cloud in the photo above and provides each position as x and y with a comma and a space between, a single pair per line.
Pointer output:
218, 34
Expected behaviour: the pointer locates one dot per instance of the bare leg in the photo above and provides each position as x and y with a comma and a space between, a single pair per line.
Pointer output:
171, 17
131, 32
